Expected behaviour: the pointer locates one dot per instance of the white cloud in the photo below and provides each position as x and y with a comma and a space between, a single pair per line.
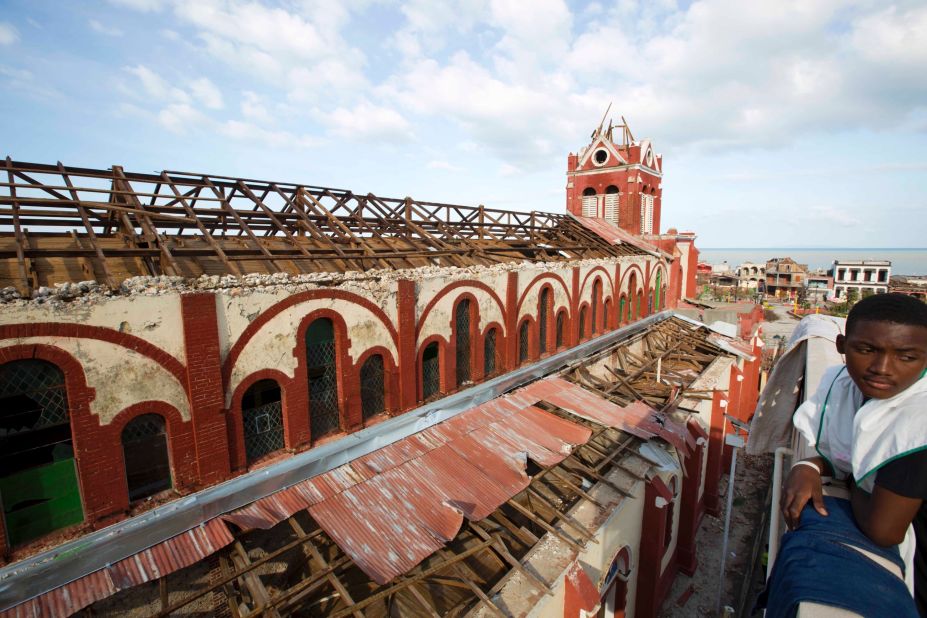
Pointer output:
147, 6
179, 117
443, 165
8, 33
367, 121
156, 86
253, 107
96, 26
206, 93
247, 131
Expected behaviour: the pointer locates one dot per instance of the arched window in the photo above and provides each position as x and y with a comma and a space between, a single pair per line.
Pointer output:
611, 204
606, 310
489, 353
561, 317
37, 466
582, 323
659, 289
632, 294
590, 203
596, 299
262, 417
144, 446
324, 409
614, 601
462, 339
523, 342
542, 320
431, 371
372, 387
621, 309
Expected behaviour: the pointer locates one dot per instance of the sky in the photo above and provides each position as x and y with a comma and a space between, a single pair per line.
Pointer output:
781, 123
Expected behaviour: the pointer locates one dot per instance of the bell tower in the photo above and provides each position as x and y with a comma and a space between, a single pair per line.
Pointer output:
617, 178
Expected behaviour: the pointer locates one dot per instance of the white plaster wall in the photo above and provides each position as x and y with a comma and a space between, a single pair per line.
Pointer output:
438, 320
120, 376
529, 305
272, 346
622, 528
156, 319
715, 377
235, 311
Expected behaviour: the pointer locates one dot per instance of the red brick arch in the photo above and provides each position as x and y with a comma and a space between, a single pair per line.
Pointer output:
180, 442
534, 282
234, 419
291, 301
447, 290
100, 333
390, 377
445, 378
605, 276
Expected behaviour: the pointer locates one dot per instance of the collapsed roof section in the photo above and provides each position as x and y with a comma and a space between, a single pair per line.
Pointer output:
60, 224
440, 522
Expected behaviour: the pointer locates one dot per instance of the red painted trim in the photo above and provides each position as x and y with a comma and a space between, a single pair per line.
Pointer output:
100, 333
445, 379
474, 335
309, 295
405, 310
534, 281
299, 417
632, 270
180, 445
583, 320
390, 379
567, 328
500, 349
550, 341
651, 551
714, 467
605, 276
446, 290
511, 320
99, 488
235, 419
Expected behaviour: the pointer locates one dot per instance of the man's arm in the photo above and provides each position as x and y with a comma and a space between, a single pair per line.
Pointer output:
883, 515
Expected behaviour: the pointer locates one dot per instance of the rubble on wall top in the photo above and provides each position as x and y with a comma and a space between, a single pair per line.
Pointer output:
61, 295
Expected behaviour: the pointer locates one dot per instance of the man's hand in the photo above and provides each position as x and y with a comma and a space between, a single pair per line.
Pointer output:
802, 484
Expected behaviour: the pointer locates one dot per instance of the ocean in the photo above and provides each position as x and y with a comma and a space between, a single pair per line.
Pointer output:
904, 261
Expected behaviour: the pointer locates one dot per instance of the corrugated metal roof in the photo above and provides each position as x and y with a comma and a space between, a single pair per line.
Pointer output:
617, 236
637, 419
392, 508
153, 563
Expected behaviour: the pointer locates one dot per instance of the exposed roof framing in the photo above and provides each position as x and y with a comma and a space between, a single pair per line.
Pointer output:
58, 221
471, 570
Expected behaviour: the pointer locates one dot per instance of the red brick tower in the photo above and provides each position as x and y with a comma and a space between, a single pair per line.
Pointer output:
617, 180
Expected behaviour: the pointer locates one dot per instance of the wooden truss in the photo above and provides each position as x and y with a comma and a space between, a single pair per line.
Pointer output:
656, 368
62, 223
297, 569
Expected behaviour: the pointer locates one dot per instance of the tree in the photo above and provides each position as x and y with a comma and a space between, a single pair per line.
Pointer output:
852, 297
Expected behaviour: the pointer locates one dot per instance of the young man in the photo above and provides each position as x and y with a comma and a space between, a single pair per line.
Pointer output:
868, 422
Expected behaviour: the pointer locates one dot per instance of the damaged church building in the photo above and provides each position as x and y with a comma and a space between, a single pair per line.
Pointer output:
235, 397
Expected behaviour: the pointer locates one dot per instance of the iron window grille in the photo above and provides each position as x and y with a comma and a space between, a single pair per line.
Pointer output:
596, 295
523, 342
462, 338
324, 409
582, 323
148, 466
542, 320
431, 371
372, 385
489, 353
560, 327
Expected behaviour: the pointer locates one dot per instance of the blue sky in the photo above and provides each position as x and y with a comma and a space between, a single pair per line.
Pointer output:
781, 123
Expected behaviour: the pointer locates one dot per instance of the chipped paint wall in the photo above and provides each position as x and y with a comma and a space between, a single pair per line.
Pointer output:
153, 318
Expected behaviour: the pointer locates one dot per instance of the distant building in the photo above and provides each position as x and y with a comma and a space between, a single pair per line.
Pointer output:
865, 276
785, 277
913, 286
820, 286
751, 275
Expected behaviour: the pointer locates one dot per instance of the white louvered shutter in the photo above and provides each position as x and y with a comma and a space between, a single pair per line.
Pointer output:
611, 207
590, 203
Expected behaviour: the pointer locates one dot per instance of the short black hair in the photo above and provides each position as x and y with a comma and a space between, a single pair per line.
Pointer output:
893, 307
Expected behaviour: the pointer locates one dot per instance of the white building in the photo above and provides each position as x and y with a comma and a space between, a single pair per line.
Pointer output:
751, 274
865, 276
